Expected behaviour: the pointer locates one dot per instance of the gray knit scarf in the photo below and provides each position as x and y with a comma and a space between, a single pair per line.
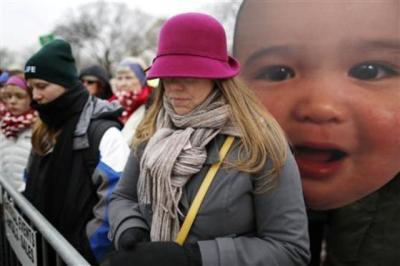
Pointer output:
175, 153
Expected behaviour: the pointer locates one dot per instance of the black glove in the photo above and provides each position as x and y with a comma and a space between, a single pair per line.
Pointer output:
131, 236
157, 253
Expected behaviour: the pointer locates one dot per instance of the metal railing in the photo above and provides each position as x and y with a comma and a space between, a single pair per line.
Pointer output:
26, 237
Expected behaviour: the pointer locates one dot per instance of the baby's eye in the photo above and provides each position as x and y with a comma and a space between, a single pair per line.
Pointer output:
372, 71
275, 73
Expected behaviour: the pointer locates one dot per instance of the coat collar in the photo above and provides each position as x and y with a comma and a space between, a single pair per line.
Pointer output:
94, 109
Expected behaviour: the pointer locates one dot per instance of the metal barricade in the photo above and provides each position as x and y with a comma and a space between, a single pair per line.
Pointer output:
27, 238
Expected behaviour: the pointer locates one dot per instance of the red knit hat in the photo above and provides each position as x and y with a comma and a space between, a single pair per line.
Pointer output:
193, 45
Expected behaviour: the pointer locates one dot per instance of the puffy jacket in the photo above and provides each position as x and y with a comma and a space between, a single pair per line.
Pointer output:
14, 153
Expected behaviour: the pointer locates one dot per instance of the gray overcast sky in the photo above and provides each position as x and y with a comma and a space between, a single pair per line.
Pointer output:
23, 21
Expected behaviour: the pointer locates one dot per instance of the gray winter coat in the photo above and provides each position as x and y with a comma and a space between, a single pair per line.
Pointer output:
234, 226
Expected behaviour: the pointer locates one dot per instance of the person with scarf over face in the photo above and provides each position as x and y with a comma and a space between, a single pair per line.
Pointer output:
72, 172
132, 90
15, 131
253, 212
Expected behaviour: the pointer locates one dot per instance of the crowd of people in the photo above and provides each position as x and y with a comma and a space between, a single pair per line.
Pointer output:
286, 153
65, 139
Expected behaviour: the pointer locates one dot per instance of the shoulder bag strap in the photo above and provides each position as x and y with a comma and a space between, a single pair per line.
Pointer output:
198, 199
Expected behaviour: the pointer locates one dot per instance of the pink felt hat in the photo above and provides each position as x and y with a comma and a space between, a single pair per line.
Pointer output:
193, 45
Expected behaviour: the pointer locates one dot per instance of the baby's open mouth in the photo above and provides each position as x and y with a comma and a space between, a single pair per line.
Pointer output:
319, 162
319, 154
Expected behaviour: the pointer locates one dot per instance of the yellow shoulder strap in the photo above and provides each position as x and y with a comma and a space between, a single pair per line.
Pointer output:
198, 199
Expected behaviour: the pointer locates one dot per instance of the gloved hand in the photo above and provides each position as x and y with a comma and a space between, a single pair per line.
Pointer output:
155, 254
131, 236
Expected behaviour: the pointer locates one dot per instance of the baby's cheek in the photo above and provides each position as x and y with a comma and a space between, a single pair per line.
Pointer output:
378, 134
379, 128
397, 126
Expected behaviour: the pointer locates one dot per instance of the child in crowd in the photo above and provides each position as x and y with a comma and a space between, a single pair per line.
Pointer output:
329, 71
16, 131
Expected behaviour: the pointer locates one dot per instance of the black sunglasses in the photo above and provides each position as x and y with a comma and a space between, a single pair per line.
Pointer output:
89, 81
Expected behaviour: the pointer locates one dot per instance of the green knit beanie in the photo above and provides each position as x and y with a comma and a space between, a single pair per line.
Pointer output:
54, 63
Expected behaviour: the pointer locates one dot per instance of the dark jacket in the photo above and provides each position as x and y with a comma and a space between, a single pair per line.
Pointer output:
367, 232
88, 217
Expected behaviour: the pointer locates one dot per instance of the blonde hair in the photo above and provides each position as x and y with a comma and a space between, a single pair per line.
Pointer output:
43, 138
262, 138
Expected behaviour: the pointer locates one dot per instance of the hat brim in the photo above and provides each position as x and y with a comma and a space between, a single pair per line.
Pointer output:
188, 66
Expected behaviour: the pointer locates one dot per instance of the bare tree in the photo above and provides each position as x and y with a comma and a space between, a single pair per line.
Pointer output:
104, 33
225, 11
152, 38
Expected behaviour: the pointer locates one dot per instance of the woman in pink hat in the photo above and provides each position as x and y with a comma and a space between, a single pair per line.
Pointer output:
15, 131
253, 212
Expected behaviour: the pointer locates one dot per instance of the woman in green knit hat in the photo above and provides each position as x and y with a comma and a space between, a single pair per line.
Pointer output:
66, 180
